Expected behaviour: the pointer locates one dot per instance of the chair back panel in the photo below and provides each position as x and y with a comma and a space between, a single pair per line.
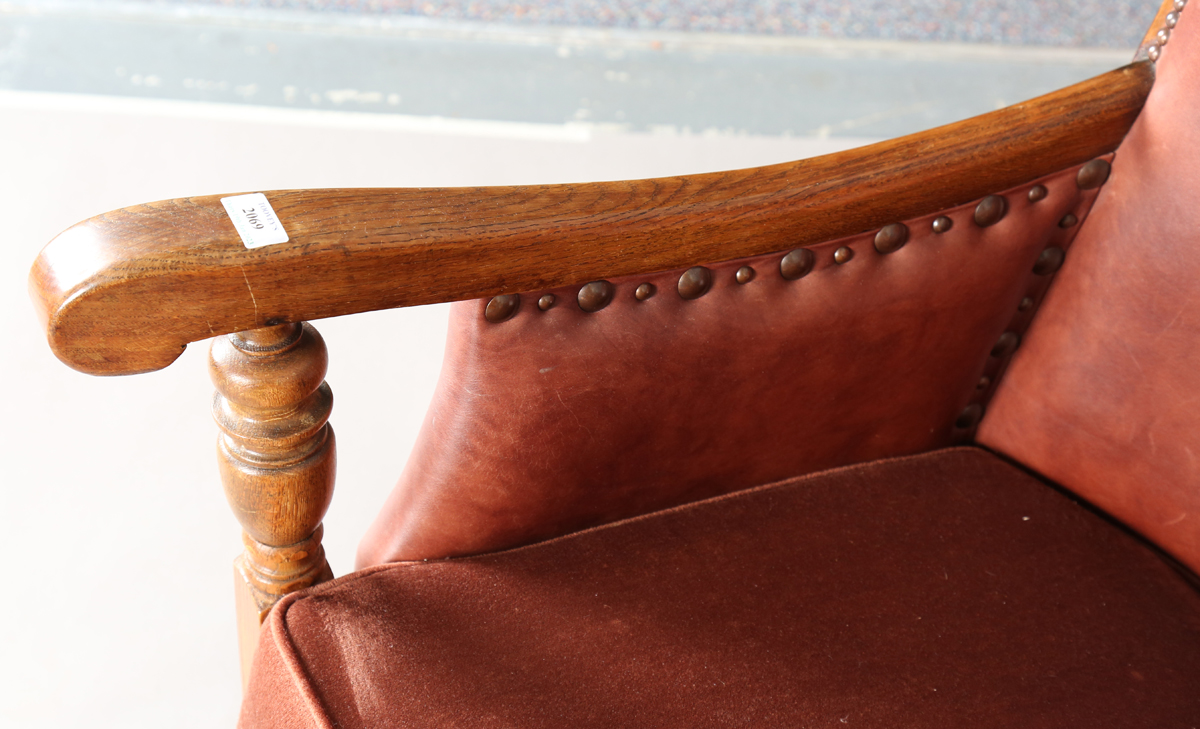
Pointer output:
1104, 395
558, 419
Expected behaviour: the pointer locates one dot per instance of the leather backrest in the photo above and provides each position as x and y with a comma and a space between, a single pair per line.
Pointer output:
553, 420
1104, 395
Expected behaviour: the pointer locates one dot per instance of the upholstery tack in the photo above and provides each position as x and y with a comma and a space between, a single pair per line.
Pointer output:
695, 282
501, 307
990, 210
595, 296
797, 264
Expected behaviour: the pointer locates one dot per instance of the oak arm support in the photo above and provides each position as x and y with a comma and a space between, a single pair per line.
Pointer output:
126, 291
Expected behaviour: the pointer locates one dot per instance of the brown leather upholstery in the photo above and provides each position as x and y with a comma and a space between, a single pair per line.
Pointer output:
557, 420
948, 589
1104, 395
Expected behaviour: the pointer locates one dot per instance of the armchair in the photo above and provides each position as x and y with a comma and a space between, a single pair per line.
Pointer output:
899, 435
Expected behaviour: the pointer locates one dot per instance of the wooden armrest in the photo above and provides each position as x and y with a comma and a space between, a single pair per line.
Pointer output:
125, 292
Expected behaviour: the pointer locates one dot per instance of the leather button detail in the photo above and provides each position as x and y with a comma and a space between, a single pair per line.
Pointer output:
1026, 304
1067, 221
1093, 174
595, 296
745, 274
546, 302
1006, 344
1038, 192
797, 264
1049, 261
843, 255
941, 224
695, 282
891, 237
990, 210
644, 291
969, 417
501, 307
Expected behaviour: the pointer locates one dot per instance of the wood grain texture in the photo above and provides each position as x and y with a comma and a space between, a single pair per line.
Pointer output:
277, 458
125, 292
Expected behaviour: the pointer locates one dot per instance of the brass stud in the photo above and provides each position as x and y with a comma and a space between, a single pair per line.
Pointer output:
1172, 18
1006, 344
1026, 304
843, 254
1153, 53
1067, 221
1093, 174
1049, 261
797, 264
941, 224
595, 296
1038, 192
501, 307
644, 291
694, 283
969, 417
891, 238
745, 274
983, 383
546, 302
990, 210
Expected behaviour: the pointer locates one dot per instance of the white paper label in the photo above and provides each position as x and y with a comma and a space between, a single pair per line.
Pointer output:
256, 222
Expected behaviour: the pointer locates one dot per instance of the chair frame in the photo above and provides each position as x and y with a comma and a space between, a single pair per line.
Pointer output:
125, 292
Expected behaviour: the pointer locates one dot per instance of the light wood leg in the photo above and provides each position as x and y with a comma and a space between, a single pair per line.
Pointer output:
277, 458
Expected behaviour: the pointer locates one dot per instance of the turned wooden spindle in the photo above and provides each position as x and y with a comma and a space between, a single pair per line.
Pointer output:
276, 453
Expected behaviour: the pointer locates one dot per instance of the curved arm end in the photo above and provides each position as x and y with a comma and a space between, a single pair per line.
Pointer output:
71, 273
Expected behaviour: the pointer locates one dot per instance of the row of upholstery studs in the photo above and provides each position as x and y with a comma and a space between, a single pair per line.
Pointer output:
1005, 345
696, 281
1091, 175
1164, 34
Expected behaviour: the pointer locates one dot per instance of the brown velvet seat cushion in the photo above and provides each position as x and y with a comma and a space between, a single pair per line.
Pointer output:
948, 589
